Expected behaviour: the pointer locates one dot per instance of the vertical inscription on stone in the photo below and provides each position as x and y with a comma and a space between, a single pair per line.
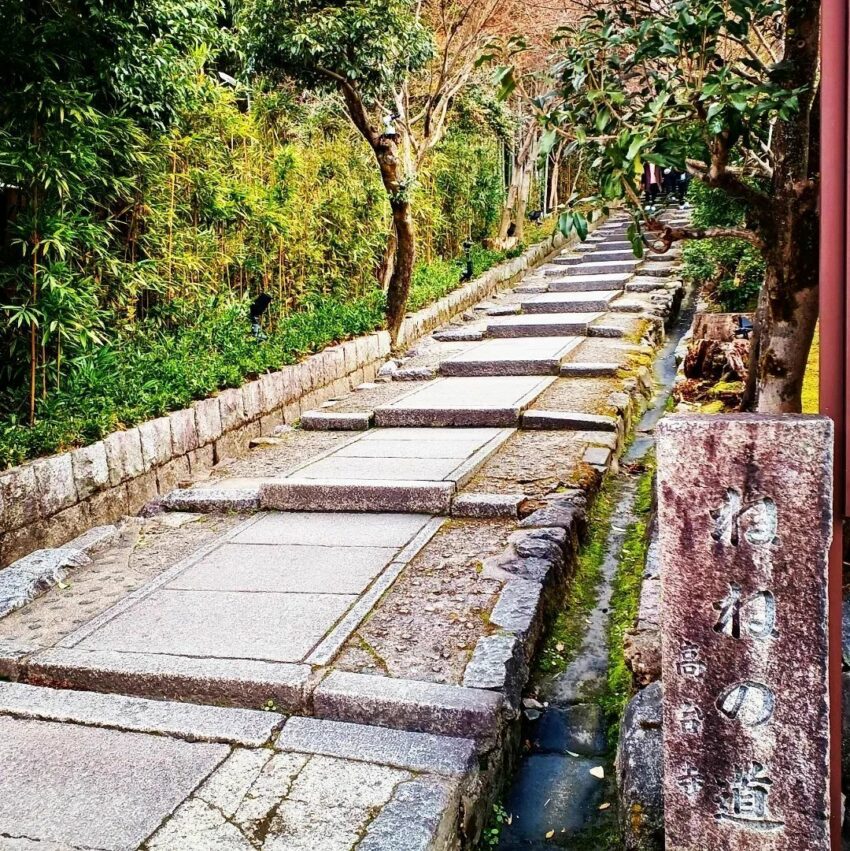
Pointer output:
745, 527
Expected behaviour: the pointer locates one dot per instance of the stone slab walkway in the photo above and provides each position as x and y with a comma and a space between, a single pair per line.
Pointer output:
385, 582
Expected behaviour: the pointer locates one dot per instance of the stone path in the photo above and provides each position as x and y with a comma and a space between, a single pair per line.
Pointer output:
380, 596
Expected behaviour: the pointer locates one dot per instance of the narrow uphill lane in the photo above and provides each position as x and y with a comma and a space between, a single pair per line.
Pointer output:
323, 646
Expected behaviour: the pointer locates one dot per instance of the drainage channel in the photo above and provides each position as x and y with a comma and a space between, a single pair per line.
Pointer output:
563, 794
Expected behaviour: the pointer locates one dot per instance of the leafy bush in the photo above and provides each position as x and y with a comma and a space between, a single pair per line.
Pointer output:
730, 272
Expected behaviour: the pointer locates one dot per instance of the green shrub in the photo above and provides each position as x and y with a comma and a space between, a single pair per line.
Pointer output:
730, 272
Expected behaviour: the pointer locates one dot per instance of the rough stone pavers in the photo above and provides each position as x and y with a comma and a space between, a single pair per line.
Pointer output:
213, 778
528, 356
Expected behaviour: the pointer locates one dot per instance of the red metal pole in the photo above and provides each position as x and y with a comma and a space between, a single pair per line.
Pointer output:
834, 335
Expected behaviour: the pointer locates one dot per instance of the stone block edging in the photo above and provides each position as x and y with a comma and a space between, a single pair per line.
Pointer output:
47, 502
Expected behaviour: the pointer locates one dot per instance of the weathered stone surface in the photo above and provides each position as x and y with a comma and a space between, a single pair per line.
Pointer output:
414, 373
419, 817
210, 500
276, 627
12, 654
232, 682
187, 721
745, 505
461, 334
208, 425
93, 788
91, 469
155, 437
334, 421
471, 402
585, 283
25, 579
504, 357
420, 752
18, 500
124, 455
407, 705
54, 478
357, 496
94, 540
184, 431
640, 773
498, 663
519, 611
568, 421
561, 324
486, 506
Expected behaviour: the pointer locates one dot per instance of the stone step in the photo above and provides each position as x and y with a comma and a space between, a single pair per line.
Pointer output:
613, 245
358, 495
610, 254
646, 284
589, 283
589, 370
331, 421
465, 402
245, 619
580, 302
567, 421
543, 325
529, 356
603, 267
659, 269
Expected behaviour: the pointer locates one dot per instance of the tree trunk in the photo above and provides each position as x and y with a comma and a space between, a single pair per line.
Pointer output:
516, 203
788, 314
386, 268
405, 256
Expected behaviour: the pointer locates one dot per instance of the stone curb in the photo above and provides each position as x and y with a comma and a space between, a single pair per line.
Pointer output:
212, 500
422, 707
238, 682
419, 752
191, 722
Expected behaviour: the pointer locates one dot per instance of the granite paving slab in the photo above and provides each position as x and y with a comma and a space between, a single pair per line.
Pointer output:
87, 787
587, 283
529, 356
459, 402
275, 627
542, 325
577, 302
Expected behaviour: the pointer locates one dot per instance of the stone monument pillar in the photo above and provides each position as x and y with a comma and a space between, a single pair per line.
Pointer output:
745, 522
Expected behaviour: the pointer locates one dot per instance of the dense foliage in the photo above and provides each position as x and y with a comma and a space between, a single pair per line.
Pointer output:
729, 272
151, 187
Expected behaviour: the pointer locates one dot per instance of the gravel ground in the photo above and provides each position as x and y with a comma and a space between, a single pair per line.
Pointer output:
427, 626
533, 463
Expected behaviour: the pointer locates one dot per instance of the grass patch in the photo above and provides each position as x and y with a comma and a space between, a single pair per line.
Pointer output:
625, 602
811, 383
567, 633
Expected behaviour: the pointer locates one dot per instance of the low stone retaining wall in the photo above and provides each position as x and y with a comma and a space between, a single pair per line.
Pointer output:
49, 501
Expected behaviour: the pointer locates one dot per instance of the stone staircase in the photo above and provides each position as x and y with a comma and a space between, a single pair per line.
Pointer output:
439, 512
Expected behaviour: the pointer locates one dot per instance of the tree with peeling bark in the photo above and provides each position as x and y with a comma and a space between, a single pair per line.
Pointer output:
398, 67
729, 90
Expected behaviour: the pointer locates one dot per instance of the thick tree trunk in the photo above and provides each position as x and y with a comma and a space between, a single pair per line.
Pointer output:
788, 314
513, 212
